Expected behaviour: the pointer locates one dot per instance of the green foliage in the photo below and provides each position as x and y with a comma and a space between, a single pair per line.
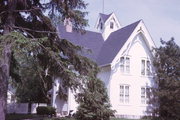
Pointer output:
27, 17
61, 118
38, 54
166, 93
94, 102
21, 116
25, 69
43, 110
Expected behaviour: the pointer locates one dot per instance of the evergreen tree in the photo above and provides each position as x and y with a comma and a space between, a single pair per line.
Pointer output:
93, 101
166, 91
26, 31
32, 87
27, 34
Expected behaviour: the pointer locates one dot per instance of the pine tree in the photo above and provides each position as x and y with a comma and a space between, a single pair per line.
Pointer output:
24, 28
93, 101
27, 33
166, 92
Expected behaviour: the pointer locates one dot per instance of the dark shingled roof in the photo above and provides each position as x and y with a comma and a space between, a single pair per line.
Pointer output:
90, 40
114, 43
102, 52
104, 16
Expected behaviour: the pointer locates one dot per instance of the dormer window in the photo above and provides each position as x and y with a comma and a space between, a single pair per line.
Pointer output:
101, 25
111, 25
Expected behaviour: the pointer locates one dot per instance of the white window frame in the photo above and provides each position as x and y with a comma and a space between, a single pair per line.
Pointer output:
111, 25
146, 68
125, 66
144, 95
124, 94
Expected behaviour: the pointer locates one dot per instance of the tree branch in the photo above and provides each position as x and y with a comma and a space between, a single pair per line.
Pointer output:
38, 31
29, 10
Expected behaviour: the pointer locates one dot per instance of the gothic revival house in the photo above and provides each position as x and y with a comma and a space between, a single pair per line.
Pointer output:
124, 57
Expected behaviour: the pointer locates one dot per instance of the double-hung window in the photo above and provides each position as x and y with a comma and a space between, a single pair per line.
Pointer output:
145, 92
125, 65
124, 94
145, 67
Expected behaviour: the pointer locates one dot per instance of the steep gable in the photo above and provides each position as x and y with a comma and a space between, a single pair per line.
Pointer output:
114, 43
104, 52
106, 24
139, 44
104, 17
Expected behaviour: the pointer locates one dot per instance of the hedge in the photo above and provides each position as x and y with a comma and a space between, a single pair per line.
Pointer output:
46, 110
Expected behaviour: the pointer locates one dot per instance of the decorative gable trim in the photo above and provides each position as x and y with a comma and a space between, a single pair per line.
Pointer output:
140, 29
113, 16
106, 20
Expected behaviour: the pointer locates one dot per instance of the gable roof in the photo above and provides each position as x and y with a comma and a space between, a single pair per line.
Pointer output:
114, 43
103, 52
89, 40
104, 16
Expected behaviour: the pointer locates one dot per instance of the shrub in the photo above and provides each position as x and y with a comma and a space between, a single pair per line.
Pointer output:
43, 110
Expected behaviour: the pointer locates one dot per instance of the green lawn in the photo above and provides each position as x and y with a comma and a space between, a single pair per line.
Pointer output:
74, 119
123, 119
37, 117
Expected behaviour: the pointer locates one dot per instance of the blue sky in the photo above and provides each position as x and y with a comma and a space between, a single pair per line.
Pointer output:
162, 17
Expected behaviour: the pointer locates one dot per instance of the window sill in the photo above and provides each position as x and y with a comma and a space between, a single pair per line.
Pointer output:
146, 76
143, 105
126, 74
124, 104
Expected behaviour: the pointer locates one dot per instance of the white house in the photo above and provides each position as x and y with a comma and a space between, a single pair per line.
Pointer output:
125, 59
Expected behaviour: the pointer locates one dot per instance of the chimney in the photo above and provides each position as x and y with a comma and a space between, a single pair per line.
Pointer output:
68, 24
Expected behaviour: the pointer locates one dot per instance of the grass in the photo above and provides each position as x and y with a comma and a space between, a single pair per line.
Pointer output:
34, 116
128, 119
74, 119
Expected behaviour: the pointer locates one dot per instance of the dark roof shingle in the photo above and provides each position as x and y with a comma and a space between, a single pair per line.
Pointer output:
102, 52
114, 43
90, 40
104, 16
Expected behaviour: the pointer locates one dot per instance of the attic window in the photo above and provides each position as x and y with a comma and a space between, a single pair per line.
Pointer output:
101, 25
111, 25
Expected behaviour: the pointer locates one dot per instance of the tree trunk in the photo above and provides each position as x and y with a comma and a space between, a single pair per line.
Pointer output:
4, 76
5, 60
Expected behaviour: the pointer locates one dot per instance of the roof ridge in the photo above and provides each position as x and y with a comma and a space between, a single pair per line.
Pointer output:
105, 16
61, 25
137, 22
